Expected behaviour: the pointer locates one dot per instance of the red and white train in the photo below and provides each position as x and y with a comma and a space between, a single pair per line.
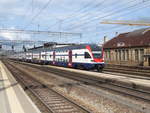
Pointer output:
85, 56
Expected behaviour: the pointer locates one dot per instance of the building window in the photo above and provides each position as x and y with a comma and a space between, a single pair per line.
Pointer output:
136, 55
142, 54
131, 56
109, 55
116, 54
119, 54
87, 55
127, 54
106, 54
123, 55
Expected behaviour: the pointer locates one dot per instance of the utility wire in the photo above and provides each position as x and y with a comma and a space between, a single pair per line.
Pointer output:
83, 12
112, 13
147, 5
89, 20
72, 15
85, 15
81, 9
29, 6
88, 15
35, 16
99, 9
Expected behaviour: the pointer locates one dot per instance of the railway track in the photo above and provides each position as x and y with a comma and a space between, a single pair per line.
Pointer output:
125, 89
131, 89
88, 80
55, 102
127, 74
138, 71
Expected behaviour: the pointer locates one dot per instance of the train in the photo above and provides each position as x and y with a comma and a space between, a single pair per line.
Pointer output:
82, 56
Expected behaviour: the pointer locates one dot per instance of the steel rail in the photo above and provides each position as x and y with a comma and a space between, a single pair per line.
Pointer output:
106, 83
78, 107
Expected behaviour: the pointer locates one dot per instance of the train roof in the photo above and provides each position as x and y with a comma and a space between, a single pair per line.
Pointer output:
81, 46
67, 47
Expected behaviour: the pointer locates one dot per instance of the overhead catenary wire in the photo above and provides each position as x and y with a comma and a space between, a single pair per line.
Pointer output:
41, 10
82, 9
99, 9
91, 20
94, 6
87, 14
128, 12
70, 18
86, 6
110, 33
93, 25
110, 14
88, 18
27, 12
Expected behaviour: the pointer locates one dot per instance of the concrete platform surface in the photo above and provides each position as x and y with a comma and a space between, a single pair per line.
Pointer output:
13, 99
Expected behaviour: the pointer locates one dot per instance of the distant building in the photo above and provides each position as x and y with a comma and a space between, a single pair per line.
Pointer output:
132, 48
52, 45
19, 45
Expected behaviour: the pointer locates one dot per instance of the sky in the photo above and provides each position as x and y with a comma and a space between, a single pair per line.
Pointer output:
73, 16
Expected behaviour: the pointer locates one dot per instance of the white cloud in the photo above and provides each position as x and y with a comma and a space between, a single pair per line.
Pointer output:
8, 36
79, 15
14, 36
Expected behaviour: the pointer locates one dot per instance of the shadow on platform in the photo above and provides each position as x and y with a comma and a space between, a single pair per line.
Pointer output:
12, 85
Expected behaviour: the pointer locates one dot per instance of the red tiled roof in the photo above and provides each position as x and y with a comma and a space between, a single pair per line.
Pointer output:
138, 38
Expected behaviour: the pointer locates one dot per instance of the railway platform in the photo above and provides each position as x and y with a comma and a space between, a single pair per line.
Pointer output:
13, 99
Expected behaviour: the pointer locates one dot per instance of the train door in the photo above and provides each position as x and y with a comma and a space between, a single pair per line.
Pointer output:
54, 55
70, 58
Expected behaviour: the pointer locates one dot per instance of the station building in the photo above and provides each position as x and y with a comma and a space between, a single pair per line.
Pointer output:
132, 49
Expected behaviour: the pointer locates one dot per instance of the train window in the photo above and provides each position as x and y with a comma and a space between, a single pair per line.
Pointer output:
76, 55
97, 55
87, 55
43, 56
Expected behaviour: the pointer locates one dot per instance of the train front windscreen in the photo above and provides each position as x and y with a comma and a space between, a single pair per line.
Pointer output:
97, 54
97, 51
